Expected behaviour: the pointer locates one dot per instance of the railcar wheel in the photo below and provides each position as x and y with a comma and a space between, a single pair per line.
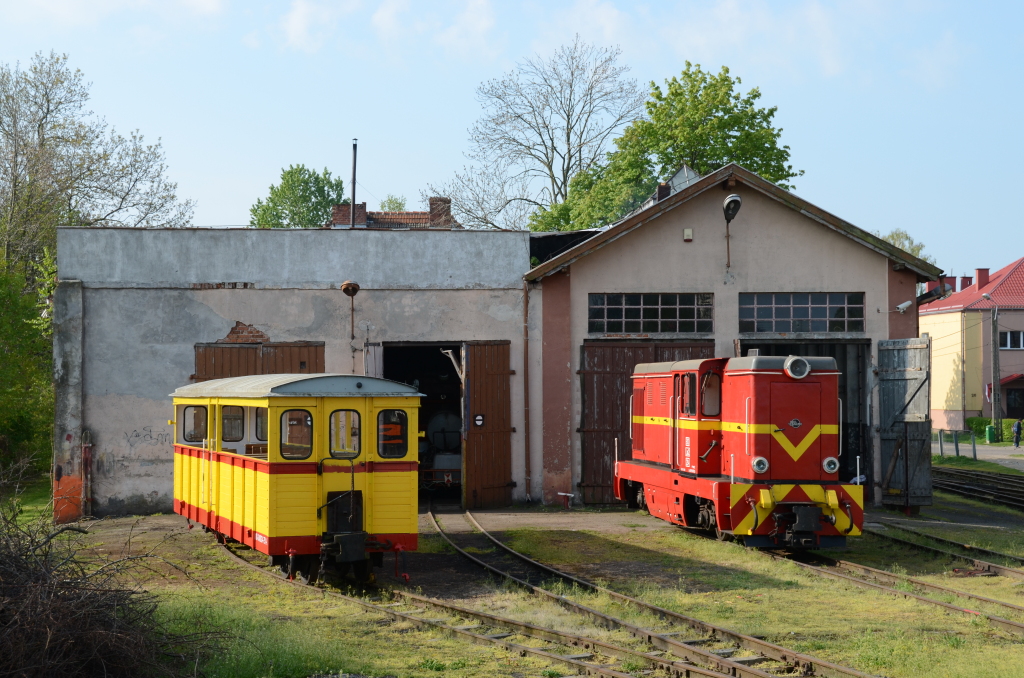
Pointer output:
723, 536
641, 499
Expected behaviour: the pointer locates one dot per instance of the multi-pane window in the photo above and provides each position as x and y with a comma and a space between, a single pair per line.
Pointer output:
1012, 339
651, 313
802, 312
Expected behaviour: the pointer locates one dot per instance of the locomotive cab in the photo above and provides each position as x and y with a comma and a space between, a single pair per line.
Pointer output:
745, 447
285, 464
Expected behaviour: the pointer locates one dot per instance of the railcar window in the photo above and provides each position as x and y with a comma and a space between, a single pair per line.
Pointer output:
194, 424
233, 423
392, 433
689, 395
344, 434
296, 434
711, 395
261, 424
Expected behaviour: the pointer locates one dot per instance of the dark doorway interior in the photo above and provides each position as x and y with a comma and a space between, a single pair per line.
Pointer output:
426, 368
852, 360
1014, 403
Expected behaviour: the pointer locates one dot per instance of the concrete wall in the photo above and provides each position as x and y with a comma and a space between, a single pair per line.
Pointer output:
773, 249
145, 307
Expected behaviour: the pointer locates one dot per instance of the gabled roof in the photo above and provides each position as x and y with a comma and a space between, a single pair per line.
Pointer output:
1005, 286
296, 386
924, 270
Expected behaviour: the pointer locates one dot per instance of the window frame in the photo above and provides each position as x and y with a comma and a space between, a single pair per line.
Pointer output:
705, 400
312, 434
206, 423
405, 434
1009, 336
256, 424
359, 445
779, 312
223, 427
659, 313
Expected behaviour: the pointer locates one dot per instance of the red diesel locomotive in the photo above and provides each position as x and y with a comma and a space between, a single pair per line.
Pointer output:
745, 447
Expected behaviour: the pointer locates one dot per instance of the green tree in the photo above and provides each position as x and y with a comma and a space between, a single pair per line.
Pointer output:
303, 199
905, 242
699, 119
392, 203
26, 393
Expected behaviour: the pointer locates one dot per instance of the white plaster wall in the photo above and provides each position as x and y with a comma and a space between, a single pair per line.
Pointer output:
773, 248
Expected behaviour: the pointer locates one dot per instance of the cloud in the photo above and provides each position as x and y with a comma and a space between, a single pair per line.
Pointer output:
309, 24
471, 32
936, 64
387, 20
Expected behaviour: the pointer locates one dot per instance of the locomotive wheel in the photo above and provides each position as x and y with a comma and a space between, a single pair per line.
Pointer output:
306, 569
641, 499
723, 536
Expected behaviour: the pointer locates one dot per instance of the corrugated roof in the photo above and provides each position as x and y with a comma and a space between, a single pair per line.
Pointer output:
924, 270
1005, 286
296, 385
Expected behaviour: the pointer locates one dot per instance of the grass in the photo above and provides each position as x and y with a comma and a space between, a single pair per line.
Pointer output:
973, 465
35, 500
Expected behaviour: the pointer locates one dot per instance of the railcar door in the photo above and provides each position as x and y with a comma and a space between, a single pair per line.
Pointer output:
795, 431
686, 417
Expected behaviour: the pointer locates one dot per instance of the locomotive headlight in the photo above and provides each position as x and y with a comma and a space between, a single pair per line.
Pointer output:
760, 465
831, 465
796, 367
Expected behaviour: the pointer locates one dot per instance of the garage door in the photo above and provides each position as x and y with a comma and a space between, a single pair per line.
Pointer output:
605, 385
488, 422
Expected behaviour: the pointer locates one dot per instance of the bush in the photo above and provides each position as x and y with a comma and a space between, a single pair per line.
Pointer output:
978, 424
62, 614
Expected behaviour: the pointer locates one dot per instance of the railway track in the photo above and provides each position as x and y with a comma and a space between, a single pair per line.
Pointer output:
774, 659
950, 542
983, 565
995, 488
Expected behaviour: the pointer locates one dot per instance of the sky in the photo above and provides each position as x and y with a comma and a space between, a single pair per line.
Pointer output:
902, 114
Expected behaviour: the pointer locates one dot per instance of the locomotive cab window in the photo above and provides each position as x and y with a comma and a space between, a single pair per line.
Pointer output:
194, 424
392, 433
232, 423
261, 424
344, 434
711, 395
296, 434
688, 401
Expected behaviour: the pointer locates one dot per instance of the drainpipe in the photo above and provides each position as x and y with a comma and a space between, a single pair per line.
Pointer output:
526, 381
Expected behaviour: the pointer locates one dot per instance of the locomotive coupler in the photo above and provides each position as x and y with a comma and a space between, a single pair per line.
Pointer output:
346, 547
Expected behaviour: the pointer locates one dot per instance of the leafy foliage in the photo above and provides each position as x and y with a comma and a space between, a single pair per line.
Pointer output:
60, 164
26, 391
392, 203
906, 242
698, 119
303, 199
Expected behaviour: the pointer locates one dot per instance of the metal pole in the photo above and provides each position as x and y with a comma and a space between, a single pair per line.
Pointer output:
906, 469
956, 442
941, 454
352, 209
997, 405
974, 447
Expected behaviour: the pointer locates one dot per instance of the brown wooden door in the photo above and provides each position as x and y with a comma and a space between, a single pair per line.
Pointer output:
606, 387
219, 361
487, 416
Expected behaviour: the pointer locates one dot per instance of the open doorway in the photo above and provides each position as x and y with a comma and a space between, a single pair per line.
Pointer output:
426, 368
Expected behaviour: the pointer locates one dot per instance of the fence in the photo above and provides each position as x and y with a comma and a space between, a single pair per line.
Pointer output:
946, 437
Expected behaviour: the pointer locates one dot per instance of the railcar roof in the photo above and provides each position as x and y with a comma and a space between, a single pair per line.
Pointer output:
765, 362
297, 386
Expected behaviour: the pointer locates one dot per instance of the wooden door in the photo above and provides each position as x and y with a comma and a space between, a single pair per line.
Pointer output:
606, 387
487, 420
905, 413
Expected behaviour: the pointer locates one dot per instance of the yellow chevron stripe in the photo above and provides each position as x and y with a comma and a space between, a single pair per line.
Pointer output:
816, 493
794, 451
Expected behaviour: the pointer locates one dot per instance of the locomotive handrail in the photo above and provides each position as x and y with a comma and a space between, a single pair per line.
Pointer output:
746, 425
840, 453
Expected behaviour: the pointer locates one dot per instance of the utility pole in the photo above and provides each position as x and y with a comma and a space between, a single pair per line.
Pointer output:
997, 405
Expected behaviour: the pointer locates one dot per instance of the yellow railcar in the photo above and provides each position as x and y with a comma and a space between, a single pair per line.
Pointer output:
281, 463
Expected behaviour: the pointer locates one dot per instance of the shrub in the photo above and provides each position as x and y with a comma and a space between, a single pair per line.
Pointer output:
978, 424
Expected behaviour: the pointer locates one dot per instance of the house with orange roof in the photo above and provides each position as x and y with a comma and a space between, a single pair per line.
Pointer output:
960, 327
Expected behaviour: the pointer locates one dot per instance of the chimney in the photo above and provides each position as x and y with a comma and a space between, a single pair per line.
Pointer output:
965, 282
440, 212
931, 285
664, 190
341, 217
981, 275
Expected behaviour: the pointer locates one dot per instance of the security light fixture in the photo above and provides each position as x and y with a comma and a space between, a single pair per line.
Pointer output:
730, 208
902, 308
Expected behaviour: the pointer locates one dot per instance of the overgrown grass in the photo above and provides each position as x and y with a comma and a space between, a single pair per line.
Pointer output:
973, 465
35, 499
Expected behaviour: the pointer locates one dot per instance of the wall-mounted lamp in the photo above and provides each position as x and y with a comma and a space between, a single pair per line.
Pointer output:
730, 208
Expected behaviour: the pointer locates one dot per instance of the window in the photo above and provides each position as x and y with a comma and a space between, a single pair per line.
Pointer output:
1011, 340
651, 313
785, 312
711, 395
392, 433
261, 424
232, 423
194, 426
296, 434
344, 434
689, 405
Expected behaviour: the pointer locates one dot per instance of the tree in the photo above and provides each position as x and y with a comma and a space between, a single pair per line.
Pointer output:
543, 123
392, 203
303, 199
905, 242
60, 164
699, 119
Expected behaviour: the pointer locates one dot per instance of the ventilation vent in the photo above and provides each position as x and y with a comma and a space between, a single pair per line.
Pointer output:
664, 400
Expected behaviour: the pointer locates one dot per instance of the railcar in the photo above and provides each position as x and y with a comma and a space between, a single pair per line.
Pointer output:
282, 463
746, 447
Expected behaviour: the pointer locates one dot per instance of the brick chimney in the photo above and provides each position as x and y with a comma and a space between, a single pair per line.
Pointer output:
965, 282
341, 217
931, 285
440, 212
981, 275
664, 190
